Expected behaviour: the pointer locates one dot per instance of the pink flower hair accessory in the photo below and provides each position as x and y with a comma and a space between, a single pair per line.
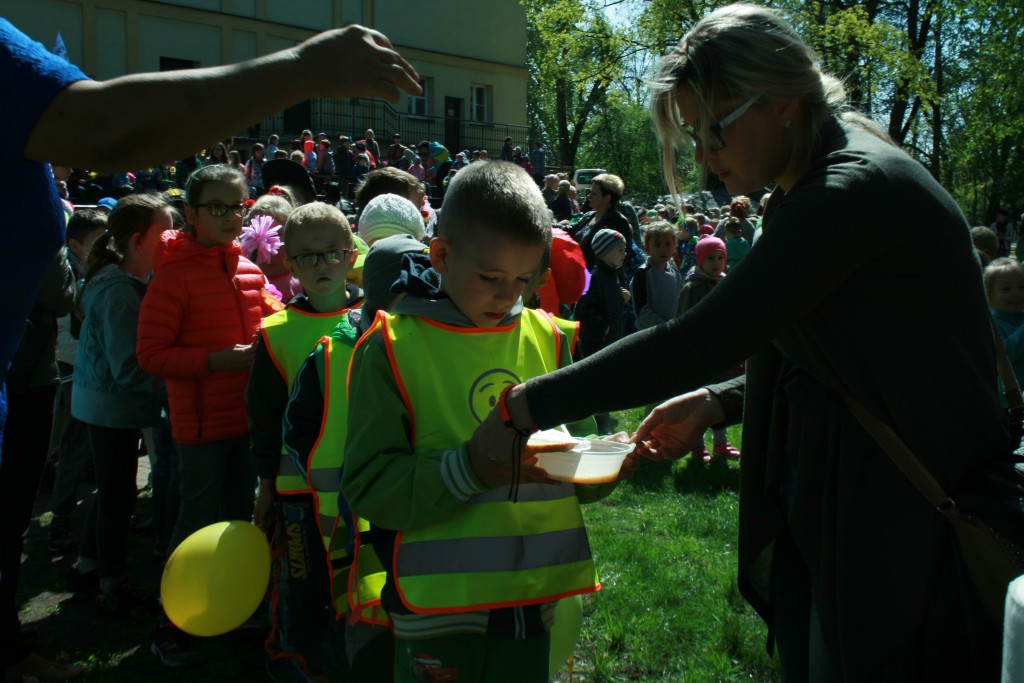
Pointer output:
261, 237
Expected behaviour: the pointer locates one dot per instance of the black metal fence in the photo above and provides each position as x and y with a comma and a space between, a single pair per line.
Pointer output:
353, 116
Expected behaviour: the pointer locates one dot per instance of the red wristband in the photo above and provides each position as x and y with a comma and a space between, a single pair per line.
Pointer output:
506, 416
503, 407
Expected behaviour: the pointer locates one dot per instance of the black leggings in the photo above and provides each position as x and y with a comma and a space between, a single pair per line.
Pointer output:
115, 453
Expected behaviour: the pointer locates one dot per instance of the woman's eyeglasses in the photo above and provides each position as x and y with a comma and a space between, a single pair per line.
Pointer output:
331, 257
217, 210
715, 141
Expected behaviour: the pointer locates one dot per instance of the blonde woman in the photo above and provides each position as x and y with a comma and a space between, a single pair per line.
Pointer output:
857, 576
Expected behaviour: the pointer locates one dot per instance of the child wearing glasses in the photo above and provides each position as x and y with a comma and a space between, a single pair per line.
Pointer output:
297, 493
197, 323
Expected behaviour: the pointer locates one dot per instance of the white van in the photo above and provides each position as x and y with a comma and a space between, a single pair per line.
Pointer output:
582, 178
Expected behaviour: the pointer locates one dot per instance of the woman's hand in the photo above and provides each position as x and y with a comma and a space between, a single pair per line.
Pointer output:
673, 428
356, 61
632, 461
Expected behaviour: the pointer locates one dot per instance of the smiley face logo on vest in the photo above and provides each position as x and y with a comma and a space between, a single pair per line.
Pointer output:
486, 389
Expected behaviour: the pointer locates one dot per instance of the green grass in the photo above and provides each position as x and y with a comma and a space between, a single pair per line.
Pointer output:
669, 609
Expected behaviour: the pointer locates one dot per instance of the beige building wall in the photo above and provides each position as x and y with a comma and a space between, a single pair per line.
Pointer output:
455, 45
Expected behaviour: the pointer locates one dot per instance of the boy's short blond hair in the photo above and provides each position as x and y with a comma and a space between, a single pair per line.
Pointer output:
316, 213
658, 229
998, 268
499, 197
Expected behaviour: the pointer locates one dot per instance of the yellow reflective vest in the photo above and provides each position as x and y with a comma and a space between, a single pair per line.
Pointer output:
495, 553
332, 355
289, 337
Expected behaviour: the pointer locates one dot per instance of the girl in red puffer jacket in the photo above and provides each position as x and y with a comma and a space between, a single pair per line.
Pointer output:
196, 329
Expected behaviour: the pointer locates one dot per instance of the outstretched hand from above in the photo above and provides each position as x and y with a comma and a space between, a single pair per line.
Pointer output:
357, 61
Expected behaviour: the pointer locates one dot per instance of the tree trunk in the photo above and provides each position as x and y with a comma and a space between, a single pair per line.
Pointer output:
566, 152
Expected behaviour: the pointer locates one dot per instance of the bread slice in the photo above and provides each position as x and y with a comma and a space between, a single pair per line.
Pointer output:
550, 441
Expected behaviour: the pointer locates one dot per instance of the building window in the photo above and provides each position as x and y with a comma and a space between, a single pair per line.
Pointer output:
480, 103
418, 103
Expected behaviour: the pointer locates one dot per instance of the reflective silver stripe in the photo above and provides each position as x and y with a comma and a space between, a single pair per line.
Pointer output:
527, 493
287, 468
434, 625
325, 479
493, 554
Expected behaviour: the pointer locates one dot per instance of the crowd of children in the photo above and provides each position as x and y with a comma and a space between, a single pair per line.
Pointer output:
323, 375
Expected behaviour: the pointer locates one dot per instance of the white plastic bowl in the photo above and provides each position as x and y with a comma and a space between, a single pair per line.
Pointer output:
591, 461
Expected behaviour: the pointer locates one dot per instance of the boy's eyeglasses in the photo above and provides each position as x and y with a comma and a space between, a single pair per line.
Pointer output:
715, 142
331, 257
218, 210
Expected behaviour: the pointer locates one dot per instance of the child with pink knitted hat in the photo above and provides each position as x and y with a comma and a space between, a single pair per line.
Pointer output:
709, 271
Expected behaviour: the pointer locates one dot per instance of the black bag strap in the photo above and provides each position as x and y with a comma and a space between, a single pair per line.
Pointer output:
902, 456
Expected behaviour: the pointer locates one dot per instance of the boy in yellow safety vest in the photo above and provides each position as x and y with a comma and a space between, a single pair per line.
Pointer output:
476, 552
314, 430
319, 250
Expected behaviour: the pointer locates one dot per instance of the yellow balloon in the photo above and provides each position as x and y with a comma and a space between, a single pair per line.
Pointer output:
216, 578
565, 632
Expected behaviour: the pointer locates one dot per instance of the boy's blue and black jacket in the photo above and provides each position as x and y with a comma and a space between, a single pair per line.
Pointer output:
601, 312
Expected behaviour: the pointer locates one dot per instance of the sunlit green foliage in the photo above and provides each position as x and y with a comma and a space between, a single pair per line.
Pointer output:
946, 79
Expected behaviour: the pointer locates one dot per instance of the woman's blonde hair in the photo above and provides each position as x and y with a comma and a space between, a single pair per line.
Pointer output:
742, 51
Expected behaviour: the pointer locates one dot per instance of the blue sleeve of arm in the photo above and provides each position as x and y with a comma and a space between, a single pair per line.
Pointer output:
35, 75
303, 416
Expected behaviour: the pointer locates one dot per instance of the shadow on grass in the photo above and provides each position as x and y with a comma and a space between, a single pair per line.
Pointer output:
690, 476
114, 647
652, 476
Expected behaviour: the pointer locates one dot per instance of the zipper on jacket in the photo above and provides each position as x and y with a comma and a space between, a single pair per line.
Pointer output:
239, 300
199, 409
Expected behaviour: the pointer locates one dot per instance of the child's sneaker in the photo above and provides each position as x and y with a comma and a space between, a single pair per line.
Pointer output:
125, 598
174, 648
700, 454
60, 535
726, 450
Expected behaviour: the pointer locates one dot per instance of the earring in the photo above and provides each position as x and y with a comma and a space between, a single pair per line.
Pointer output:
788, 124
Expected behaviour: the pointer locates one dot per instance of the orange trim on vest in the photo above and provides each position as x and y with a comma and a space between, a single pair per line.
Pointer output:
558, 341
357, 612
398, 379
296, 311
377, 324
325, 340
575, 329
468, 330
270, 352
